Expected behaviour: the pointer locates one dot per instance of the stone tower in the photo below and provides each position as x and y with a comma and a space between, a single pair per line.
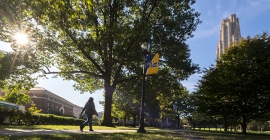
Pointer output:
229, 33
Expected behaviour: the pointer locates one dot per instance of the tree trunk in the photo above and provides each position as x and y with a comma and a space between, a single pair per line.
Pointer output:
134, 121
162, 123
107, 121
178, 123
244, 125
225, 123
125, 121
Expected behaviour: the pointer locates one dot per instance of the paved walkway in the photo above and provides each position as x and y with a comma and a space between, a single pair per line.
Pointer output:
8, 132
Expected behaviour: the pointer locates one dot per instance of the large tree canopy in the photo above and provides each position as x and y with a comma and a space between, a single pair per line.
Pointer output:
239, 85
15, 71
97, 42
16, 67
17, 97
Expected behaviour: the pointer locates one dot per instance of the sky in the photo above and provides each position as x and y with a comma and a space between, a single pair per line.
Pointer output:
254, 19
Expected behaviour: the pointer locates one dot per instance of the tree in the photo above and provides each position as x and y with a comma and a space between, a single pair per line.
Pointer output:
97, 43
1, 80
211, 96
180, 106
191, 109
125, 107
16, 68
161, 93
34, 109
18, 98
242, 88
16, 71
258, 125
157, 99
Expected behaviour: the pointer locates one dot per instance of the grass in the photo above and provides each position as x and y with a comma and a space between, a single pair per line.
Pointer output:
63, 127
151, 134
99, 136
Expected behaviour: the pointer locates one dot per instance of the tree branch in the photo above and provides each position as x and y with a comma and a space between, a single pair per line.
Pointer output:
73, 72
127, 79
152, 9
83, 51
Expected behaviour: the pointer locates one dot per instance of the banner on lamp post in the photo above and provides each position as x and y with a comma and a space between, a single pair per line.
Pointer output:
152, 64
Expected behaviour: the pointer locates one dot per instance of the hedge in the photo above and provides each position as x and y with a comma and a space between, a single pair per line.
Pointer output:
15, 116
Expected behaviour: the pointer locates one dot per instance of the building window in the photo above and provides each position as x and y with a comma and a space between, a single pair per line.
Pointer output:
48, 97
52, 105
48, 104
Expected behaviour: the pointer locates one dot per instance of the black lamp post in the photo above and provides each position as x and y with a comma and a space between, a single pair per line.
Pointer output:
145, 52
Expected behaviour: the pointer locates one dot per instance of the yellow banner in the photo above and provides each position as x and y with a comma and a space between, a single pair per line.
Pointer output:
152, 64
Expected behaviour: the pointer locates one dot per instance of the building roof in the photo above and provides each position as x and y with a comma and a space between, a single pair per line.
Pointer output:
8, 104
37, 88
43, 89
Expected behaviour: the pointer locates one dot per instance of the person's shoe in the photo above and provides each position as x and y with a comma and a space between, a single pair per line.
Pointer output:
81, 128
91, 130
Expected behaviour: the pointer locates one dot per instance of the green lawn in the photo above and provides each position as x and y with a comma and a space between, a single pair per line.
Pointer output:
64, 127
151, 134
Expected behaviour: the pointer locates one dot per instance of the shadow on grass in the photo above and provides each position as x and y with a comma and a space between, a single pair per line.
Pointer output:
151, 133
33, 127
27, 127
98, 136
228, 135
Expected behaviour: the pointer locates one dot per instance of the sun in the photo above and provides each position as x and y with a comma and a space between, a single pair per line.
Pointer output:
21, 38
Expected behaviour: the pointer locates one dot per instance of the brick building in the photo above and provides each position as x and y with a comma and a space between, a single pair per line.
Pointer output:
51, 103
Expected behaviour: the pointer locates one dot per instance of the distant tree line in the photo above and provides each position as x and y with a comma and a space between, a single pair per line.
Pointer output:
236, 90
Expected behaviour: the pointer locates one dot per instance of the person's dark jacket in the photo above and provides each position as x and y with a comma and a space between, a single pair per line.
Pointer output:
89, 109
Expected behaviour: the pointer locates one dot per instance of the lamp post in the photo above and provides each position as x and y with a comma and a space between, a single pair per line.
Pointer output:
145, 52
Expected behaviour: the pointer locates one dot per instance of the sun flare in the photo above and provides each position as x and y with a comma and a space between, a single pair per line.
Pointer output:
21, 38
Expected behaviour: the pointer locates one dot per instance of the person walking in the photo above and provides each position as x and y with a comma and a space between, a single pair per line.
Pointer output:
90, 110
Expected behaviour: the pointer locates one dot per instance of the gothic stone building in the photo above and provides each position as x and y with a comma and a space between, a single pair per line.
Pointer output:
229, 33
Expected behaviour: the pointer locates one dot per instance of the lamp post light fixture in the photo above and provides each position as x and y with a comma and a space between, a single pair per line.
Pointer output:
145, 50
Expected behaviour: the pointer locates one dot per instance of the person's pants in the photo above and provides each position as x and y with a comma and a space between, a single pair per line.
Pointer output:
89, 121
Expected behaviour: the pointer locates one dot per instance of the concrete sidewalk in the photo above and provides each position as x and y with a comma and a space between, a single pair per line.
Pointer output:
46, 132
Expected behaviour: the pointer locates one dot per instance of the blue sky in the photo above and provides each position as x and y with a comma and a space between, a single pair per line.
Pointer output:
254, 18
